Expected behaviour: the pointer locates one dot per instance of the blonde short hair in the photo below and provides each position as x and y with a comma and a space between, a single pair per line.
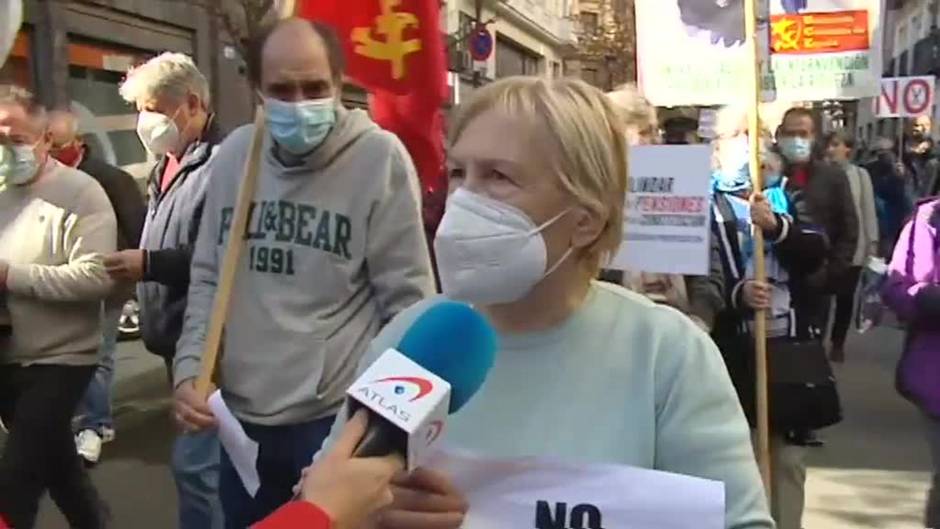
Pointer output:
169, 74
588, 141
635, 110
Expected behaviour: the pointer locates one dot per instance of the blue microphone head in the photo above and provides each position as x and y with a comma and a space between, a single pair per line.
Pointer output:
454, 342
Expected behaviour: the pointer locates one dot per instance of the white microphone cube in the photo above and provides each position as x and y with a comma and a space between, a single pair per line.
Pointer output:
411, 398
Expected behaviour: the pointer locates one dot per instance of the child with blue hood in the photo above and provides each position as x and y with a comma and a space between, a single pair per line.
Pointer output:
795, 250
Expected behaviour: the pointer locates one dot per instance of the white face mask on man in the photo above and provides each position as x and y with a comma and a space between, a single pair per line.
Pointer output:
490, 253
158, 132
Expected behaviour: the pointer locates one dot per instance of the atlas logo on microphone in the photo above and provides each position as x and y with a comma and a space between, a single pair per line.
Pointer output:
403, 391
417, 387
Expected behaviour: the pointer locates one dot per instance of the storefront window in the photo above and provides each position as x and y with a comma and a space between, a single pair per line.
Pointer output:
107, 122
16, 69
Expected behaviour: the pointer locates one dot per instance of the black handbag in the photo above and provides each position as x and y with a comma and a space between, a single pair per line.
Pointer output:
802, 389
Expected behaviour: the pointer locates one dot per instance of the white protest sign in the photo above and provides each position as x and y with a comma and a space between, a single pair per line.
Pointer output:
905, 97
707, 121
666, 216
553, 495
819, 50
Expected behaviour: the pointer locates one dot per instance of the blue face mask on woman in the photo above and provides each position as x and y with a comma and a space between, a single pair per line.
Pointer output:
300, 126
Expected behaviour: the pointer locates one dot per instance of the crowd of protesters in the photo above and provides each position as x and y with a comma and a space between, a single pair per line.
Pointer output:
338, 261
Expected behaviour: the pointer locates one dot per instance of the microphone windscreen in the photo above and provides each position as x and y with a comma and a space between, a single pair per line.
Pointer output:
456, 343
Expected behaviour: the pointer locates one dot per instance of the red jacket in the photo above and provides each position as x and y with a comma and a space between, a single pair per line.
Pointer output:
294, 515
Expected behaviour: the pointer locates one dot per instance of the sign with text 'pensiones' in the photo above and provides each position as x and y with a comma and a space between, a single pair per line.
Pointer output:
666, 215
905, 97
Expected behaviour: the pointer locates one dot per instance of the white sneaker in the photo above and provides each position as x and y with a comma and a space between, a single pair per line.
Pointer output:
88, 443
107, 434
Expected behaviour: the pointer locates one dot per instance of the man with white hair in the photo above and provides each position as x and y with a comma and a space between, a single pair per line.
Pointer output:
55, 225
175, 123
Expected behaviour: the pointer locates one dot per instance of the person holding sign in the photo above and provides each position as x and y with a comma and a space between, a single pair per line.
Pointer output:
334, 247
587, 371
699, 297
796, 251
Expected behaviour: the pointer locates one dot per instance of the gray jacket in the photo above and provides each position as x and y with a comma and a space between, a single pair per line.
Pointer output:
334, 248
170, 231
864, 199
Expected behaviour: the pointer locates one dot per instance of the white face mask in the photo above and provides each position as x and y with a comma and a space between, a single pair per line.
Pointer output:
157, 132
488, 252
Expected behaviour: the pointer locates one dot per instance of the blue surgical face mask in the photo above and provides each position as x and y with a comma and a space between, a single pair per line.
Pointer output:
300, 126
796, 150
18, 164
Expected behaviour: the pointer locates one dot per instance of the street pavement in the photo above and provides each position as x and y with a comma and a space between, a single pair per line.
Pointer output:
872, 473
875, 468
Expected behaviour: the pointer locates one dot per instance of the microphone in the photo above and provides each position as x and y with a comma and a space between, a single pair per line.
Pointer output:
441, 362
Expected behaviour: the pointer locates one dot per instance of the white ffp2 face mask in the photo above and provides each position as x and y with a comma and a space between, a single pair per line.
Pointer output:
157, 132
488, 252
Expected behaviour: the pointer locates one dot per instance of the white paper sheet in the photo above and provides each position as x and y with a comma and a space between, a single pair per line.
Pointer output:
513, 493
241, 449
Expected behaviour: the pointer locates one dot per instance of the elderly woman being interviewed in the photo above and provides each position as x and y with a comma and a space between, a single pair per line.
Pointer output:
587, 372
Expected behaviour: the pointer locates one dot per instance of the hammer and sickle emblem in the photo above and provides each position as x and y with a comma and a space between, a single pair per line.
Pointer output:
393, 47
787, 32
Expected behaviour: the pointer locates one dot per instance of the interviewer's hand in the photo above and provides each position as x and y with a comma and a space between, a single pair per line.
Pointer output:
350, 489
192, 413
756, 295
424, 499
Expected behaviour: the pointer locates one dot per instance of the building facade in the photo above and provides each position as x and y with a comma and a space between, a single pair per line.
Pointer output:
911, 48
529, 38
74, 53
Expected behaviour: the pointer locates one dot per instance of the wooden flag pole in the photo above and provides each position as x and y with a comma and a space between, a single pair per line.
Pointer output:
233, 250
760, 272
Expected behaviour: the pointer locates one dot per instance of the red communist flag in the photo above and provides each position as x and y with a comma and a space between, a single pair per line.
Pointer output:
395, 50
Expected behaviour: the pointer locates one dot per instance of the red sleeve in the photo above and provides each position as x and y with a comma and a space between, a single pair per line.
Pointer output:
296, 515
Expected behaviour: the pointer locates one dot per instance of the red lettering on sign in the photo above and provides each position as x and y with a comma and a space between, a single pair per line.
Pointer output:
916, 96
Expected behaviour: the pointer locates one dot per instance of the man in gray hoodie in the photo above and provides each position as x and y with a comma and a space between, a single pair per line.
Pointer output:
334, 249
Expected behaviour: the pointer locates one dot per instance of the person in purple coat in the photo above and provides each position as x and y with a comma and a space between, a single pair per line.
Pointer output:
912, 290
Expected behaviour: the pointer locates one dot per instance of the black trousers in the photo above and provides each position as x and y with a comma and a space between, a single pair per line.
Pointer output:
36, 404
845, 305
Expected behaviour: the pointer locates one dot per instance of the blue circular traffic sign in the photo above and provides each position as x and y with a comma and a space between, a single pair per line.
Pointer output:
481, 43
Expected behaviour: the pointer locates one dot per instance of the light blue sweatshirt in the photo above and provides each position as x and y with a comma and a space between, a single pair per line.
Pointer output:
624, 381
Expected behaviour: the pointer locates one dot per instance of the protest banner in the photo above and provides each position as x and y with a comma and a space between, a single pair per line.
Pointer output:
555, 495
905, 97
666, 218
820, 49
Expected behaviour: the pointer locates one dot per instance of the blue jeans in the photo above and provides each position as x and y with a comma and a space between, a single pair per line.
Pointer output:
283, 452
95, 407
196, 472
